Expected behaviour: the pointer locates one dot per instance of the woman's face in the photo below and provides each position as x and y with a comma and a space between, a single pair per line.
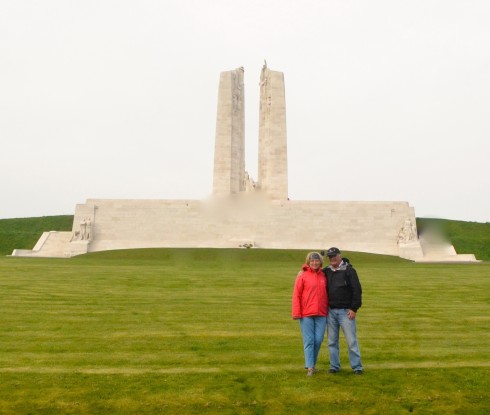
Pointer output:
315, 264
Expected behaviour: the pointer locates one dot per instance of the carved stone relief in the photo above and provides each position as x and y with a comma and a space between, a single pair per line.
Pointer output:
84, 231
408, 232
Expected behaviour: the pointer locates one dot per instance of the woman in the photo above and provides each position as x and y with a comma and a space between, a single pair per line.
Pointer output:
310, 305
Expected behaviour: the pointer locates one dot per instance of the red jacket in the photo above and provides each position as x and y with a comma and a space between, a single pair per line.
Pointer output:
310, 294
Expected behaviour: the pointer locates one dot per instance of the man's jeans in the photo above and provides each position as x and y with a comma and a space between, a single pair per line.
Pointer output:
337, 317
313, 330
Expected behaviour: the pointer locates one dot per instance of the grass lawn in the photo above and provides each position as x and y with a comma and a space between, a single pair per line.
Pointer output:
209, 331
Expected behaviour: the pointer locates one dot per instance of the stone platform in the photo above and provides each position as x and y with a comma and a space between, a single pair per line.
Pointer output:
235, 222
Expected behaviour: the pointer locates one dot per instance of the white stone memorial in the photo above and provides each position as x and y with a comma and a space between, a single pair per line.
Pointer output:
243, 212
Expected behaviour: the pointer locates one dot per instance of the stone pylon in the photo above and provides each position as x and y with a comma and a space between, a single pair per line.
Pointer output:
229, 152
273, 165
230, 176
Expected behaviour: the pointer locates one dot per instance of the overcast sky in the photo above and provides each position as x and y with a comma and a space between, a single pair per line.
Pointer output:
385, 100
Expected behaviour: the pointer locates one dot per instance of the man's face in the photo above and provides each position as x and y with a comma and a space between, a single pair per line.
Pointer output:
335, 260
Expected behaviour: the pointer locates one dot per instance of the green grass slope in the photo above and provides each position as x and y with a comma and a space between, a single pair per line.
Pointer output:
209, 331
24, 233
466, 237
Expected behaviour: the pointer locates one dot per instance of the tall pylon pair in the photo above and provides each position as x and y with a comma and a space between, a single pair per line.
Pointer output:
230, 176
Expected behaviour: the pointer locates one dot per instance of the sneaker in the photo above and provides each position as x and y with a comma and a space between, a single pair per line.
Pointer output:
310, 372
357, 372
333, 370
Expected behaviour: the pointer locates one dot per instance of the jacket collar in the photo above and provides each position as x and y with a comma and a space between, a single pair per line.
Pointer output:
342, 266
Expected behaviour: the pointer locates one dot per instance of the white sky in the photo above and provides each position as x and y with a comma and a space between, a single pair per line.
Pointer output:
386, 100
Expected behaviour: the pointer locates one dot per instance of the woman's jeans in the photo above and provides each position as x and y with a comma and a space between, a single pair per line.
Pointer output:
337, 317
313, 330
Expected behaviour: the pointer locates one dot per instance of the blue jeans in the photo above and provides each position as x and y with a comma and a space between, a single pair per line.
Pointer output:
313, 331
337, 317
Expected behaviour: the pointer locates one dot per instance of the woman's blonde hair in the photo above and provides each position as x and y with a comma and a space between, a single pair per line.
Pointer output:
308, 257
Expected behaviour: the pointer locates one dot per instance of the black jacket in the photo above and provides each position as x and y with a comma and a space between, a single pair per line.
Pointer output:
344, 289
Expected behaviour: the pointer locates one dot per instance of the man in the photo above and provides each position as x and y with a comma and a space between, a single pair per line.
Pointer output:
344, 299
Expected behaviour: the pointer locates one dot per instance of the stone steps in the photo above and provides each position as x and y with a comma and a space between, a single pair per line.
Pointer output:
51, 244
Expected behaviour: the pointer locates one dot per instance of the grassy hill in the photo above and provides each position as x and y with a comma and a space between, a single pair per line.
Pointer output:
209, 331
467, 237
